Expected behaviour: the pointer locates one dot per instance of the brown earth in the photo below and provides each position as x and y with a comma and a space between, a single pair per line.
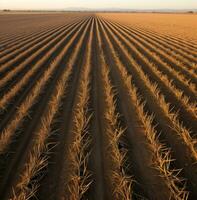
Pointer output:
98, 106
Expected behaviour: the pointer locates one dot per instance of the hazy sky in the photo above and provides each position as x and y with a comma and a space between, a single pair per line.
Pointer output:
133, 4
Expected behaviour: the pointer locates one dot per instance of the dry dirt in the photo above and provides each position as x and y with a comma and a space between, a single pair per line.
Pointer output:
98, 106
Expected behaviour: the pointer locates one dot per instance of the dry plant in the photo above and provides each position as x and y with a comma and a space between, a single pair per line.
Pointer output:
21, 42
23, 45
8, 132
24, 64
191, 107
172, 50
22, 111
148, 68
176, 64
4, 101
121, 183
37, 45
161, 154
36, 161
175, 52
179, 46
164, 65
181, 131
25, 187
172, 28
78, 178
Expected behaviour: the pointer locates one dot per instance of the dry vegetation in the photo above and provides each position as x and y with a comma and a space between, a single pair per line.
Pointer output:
180, 26
98, 106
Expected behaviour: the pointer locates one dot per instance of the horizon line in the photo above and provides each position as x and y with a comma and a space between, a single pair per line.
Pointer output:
105, 9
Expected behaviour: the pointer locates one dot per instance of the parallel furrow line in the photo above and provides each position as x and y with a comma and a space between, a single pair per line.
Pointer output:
77, 176
5, 99
32, 51
190, 52
119, 181
5, 136
179, 80
171, 50
164, 57
35, 159
142, 130
172, 129
60, 73
22, 46
188, 110
21, 38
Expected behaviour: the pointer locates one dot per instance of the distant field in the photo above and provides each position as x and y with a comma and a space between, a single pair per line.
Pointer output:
98, 106
178, 25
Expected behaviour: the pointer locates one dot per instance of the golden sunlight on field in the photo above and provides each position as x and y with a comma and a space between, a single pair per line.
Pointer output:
91, 108
178, 25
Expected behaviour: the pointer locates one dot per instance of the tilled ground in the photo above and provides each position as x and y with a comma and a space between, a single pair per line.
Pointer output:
94, 109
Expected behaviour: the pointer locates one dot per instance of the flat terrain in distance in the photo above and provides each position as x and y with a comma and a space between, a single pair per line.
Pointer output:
178, 25
98, 106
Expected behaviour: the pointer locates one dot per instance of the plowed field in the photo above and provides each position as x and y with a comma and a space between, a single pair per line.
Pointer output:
91, 108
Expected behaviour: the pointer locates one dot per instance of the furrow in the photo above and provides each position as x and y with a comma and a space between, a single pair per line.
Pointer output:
18, 48
57, 169
77, 177
176, 136
32, 51
180, 81
99, 189
15, 39
40, 116
191, 53
5, 99
177, 50
171, 50
8, 55
22, 46
5, 115
20, 39
29, 100
36, 161
119, 182
180, 103
146, 150
179, 42
161, 55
